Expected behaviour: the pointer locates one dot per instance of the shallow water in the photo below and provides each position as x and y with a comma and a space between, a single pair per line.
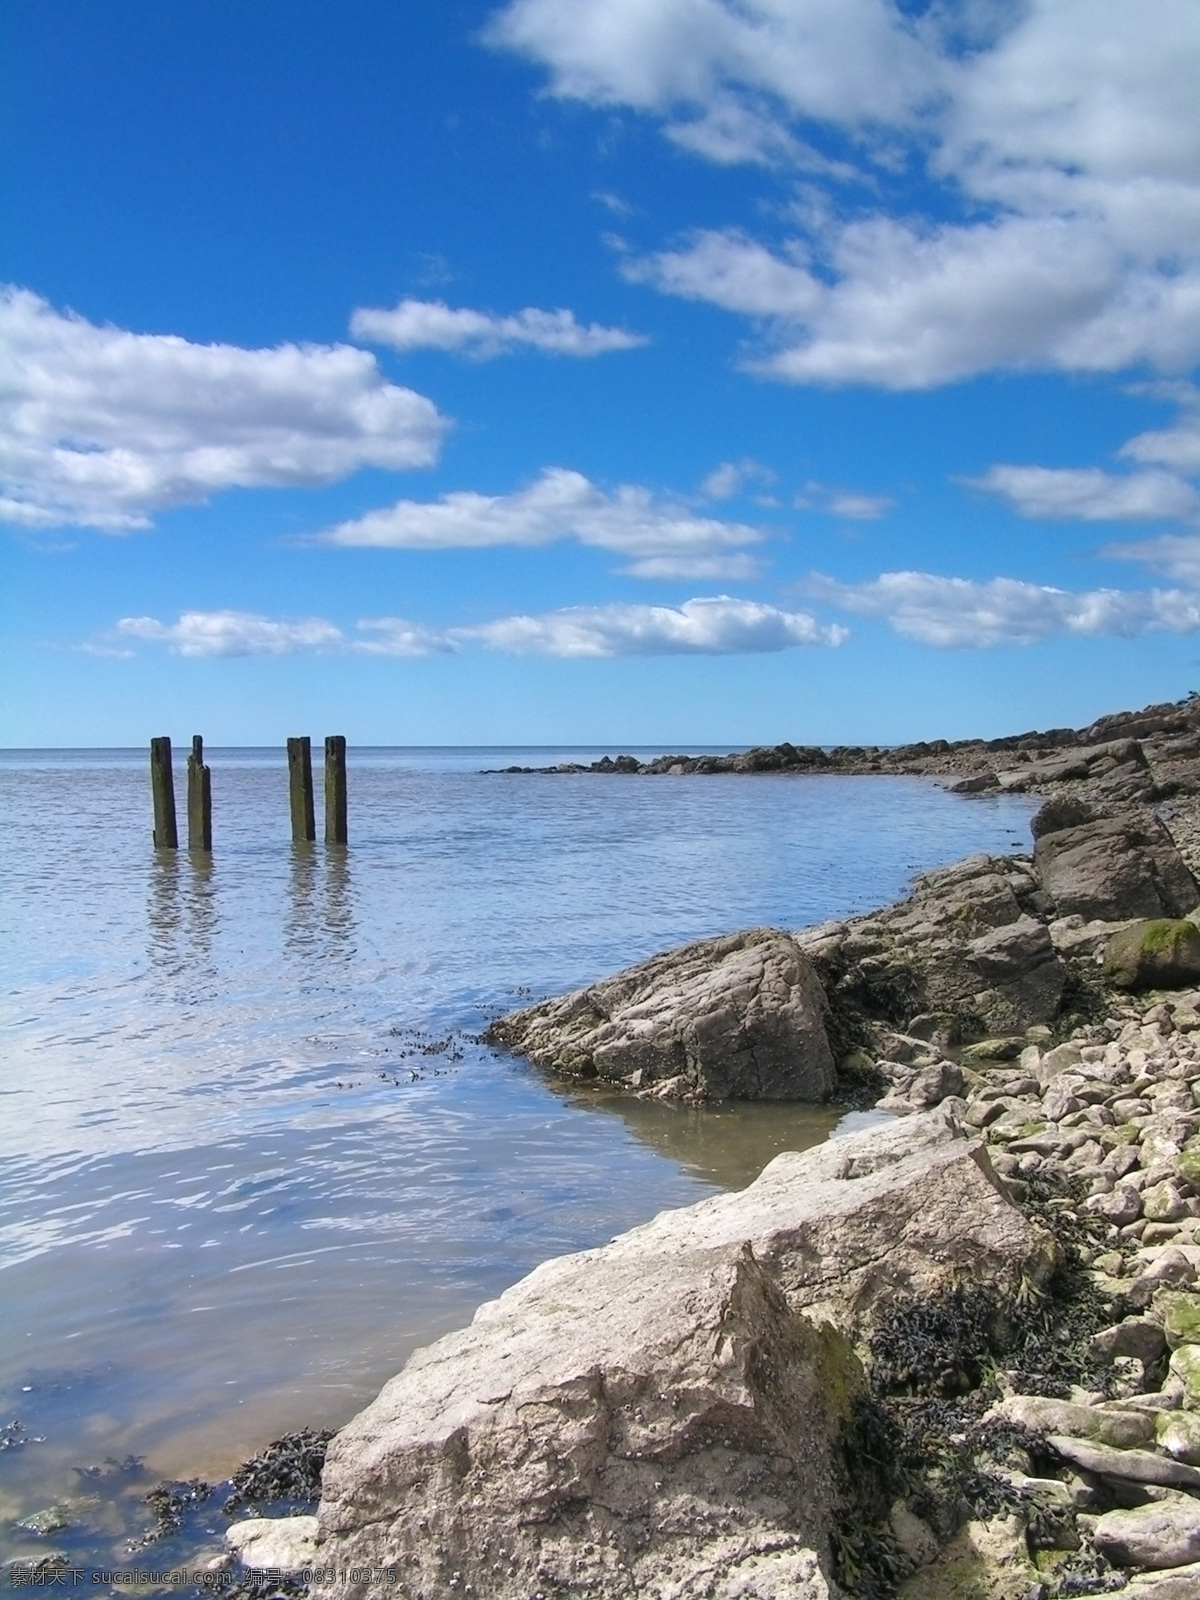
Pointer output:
251, 1152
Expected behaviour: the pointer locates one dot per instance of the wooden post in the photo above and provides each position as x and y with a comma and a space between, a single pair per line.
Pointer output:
199, 804
300, 790
335, 789
162, 787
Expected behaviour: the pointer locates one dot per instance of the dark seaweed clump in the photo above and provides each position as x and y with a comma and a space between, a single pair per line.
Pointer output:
921, 1436
289, 1469
170, 1503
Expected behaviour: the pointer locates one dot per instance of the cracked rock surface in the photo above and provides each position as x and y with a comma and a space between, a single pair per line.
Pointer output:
741, 1017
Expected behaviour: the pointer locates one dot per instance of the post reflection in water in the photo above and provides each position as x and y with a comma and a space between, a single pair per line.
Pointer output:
163, 912
181, 914
299, 936
320, 919
200, 905
339, 920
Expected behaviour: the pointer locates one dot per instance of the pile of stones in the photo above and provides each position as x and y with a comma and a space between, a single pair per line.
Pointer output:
1110, 1122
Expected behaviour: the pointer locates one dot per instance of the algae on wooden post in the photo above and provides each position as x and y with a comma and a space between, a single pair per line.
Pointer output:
300, 790
162, 788
199, 799
335, 789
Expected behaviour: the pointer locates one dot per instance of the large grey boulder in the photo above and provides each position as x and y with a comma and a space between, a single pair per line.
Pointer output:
966, 942
1022, 976
1163, 1534
1113, 868
662, 1415
741, 1017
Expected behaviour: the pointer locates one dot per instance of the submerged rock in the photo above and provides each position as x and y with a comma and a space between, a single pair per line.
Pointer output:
738, 1018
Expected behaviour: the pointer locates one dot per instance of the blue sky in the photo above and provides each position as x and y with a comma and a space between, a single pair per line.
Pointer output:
602, 371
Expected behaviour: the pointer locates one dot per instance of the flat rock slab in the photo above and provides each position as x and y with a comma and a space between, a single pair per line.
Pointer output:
662, 1415
741, 1017
1181, 1584
285, 1544
1121, 1430
1136, 1466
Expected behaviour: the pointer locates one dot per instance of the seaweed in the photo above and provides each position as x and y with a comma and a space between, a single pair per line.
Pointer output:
860, 1085
1085, 999
289, 1469
866, 1561
922, 1435
170, 1502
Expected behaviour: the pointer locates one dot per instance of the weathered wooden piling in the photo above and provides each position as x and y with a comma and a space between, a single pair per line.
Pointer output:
162, 788
300, 790
335, 789
199, 799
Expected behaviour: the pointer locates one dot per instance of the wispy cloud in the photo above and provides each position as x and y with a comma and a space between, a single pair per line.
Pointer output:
1089, 494
958, 613
849, 504
1175, 555
233, 633
433, 325
716, 625
658, 536
102, 428
731, 477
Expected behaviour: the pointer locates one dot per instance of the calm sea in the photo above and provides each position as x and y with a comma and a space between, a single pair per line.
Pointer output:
251, 1152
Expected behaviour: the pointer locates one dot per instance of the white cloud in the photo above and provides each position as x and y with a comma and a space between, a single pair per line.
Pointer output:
433, 325
859, 507
717, 626
957, 613
396, 636
850, 504
905, 306
1058, 142
659, 537
731, 477
1088, 494
233, 633
714, 625
728, 269
853, 61
100, 427
613, 202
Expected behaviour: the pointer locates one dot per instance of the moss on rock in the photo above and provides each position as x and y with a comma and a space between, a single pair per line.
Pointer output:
1163, 953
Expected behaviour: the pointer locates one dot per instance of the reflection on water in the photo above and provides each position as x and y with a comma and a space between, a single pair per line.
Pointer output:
251, 1152
724, 1145
181, 916
319, 914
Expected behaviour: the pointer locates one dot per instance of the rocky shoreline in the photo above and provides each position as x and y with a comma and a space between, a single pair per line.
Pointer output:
1101, 757
953, 1357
